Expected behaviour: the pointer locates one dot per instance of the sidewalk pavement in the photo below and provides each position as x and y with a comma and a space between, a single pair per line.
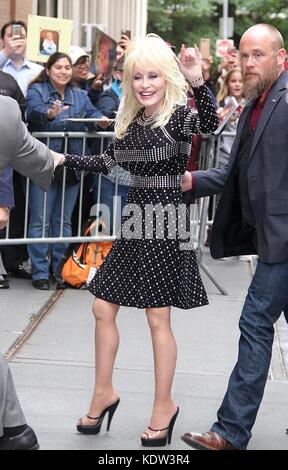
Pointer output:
54, 369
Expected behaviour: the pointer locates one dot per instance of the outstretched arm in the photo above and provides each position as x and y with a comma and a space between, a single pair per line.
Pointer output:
204, 182
93, 164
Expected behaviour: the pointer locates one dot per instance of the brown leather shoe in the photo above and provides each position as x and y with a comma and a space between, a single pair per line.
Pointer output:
208, 441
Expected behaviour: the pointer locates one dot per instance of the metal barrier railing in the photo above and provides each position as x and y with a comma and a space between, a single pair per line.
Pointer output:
207, 159
47, 136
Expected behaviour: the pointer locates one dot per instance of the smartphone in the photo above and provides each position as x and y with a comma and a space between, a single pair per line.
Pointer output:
204, 48
16, 30
126, 32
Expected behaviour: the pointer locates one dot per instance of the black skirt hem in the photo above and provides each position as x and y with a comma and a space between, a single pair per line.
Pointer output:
174, 304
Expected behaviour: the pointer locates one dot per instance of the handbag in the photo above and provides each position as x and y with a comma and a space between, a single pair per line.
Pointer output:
80, 267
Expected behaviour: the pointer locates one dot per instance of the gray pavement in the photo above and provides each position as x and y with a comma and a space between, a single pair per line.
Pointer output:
53, 370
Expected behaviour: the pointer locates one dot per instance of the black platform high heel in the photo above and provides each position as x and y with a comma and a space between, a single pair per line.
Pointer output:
161, 441
95, 429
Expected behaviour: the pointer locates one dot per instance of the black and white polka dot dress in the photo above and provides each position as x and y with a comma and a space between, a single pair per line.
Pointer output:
151, 263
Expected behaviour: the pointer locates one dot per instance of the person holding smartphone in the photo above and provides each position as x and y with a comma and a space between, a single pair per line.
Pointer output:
123, 44
13, 55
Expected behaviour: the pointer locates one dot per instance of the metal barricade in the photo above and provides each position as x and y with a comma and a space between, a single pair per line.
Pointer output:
46, 137
197, 211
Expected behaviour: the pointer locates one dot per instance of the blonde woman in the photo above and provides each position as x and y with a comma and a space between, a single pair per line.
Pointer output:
148, 266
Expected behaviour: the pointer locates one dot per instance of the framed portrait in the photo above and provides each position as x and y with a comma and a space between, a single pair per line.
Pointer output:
103, 53
46, 36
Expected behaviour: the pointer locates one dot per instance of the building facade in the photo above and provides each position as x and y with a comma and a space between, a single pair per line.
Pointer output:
110, 15
11, 9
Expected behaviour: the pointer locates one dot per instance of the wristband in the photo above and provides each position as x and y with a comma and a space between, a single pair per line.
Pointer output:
197, 82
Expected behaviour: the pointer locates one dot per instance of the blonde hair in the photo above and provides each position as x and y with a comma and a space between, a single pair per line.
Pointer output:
145, 51
224, 90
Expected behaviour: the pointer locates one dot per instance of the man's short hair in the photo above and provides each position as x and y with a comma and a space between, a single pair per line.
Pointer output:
6, 25
278, 42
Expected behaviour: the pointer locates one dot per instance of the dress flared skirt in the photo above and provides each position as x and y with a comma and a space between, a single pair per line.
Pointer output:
150, 273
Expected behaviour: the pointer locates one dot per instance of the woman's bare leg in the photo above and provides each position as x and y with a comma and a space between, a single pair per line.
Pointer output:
106, 347
165, 356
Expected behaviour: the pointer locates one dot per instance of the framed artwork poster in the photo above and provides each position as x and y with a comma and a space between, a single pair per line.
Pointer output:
46, 36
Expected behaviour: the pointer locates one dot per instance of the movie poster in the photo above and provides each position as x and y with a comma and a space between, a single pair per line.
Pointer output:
103, 53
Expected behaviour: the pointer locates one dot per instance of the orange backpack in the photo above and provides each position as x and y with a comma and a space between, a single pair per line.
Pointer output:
81, 266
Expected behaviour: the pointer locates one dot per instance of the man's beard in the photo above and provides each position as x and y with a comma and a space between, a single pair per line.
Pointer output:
252, 90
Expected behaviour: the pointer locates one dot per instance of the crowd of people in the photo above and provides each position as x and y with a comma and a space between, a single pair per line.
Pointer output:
150, 266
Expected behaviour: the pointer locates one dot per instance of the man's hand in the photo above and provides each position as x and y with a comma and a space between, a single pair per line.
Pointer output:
4, 217
13, 47
186, 183
58, 158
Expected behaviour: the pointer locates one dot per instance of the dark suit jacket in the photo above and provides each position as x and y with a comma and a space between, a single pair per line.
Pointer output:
267, 186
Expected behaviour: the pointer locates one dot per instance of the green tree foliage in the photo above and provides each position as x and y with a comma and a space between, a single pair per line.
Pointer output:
186, 21
249, 12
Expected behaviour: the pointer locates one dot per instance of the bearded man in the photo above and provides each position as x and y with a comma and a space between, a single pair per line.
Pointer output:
252, 218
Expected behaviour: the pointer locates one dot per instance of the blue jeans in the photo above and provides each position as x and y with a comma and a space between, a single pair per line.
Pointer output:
107, 193
39, 252
267, 297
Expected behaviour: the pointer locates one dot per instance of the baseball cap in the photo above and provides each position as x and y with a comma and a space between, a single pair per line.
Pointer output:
76, 52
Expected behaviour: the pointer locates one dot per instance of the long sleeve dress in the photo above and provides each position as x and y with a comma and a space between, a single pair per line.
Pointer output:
151, 263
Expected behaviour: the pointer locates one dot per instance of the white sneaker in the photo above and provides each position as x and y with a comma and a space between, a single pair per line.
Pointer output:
247, 258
